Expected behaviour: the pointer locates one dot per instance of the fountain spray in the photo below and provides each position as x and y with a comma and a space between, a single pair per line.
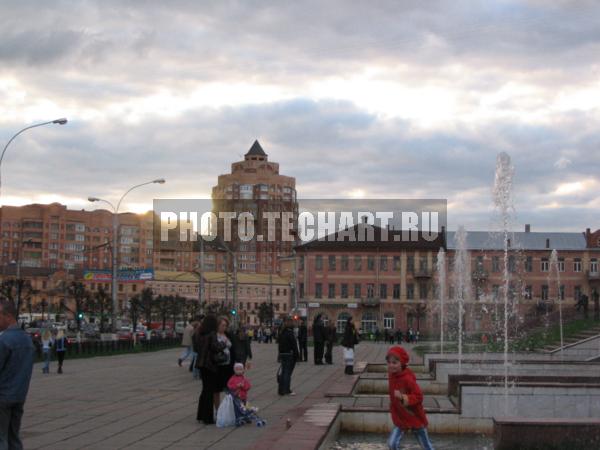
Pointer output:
441, 270
502, 194
554, 271
462, 283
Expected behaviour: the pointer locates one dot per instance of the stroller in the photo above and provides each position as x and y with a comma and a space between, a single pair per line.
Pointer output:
244, 414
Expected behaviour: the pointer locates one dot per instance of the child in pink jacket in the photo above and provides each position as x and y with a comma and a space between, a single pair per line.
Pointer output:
238, 384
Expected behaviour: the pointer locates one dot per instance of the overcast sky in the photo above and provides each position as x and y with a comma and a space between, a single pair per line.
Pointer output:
355, 99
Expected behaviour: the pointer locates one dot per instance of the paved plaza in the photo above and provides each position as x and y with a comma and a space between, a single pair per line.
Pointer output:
145, 401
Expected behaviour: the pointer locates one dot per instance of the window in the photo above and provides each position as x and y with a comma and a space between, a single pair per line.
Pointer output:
331, 263
344, 290
528, 292
368, 323
301, 293
562, 291
370, 263
423, 264
544, 292
529, 264
331, 290
577, 265
423, 288
561, 264
318, 290
410, 264
389, 322
319, 262
370, 290
396, 264
301, 263
341, 322
383, 263
357, 290
512, 265
495, 264
410, 291
345, 263
357, 263
479, 262
495, 291
594, 265
383, 290
577, 292
545, 265
396, 291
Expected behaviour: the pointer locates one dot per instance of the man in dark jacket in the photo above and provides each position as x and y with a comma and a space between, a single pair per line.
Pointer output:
16, 365
331, 338
303, 340
318, 339
288, 355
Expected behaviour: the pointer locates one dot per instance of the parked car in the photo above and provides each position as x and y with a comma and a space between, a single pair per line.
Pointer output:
125, 334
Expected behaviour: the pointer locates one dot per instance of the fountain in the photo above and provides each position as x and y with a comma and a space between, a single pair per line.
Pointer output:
554, 270
462, 283
441, 270
502, 194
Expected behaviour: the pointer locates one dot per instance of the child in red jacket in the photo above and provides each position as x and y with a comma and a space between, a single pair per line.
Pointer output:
238, 383
406, 401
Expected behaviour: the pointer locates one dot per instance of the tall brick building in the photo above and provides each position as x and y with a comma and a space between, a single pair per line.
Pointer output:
255, 185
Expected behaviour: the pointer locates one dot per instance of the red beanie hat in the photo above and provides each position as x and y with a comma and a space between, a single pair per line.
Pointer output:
398, 352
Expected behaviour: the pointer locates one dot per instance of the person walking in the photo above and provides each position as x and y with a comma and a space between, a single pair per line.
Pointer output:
186, 343
243, 347
288, 355
331, 338
60, 348
318, 339
46, 347
16, 365
349, 340
303, 340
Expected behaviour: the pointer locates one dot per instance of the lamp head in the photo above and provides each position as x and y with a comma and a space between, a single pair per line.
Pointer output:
160, 181
60, 121
93, 199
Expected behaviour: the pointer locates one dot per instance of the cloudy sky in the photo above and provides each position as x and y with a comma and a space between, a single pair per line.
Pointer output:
382, 99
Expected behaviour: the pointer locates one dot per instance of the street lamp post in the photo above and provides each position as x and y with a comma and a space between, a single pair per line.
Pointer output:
61, 121
115, 226
235, 288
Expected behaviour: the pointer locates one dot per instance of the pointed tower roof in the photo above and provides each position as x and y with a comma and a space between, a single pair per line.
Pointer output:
256, 150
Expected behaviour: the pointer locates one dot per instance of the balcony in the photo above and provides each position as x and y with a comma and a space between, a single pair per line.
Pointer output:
422, 273
370, 301
592, 276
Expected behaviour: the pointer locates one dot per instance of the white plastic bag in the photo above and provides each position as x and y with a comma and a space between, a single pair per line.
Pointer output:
348, 356
226, 413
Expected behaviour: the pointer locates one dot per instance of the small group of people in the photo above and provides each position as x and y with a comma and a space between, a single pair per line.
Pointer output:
324, 338
57, 341
392, 337
220, 357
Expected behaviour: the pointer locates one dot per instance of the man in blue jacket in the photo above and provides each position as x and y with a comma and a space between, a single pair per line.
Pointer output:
16, 364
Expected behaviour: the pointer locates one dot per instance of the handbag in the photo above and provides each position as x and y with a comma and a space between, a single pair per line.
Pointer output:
220, 358
226, 412
348, 356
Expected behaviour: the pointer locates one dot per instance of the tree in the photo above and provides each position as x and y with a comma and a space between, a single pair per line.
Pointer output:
9, 289
135, 310
81, 297
102, 305
218, 309
191, 307
265, 312
164, 307
147, 303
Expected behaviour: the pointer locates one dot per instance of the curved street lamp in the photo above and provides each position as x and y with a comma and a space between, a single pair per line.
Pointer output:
115, 211
61, 121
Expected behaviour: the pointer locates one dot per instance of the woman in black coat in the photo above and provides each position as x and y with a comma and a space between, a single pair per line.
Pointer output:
318, 339
243, 347
349, 340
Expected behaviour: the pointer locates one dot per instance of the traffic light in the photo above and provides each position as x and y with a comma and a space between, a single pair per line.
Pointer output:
233, 312
80, 315
295, 316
